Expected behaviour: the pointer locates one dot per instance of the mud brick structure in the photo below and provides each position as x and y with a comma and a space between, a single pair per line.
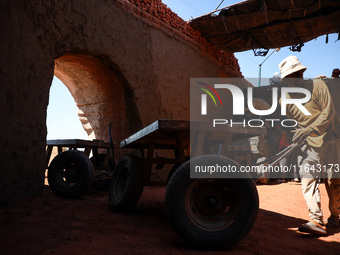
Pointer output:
129, 62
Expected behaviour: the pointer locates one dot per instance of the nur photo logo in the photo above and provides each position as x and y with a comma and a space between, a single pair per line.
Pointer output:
232, 97
204, 97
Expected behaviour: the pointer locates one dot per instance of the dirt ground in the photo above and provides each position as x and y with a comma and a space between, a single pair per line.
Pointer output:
53, 225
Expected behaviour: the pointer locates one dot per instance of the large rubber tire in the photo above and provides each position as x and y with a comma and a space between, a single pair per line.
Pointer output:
173, 169
102, 185
211, 213
70, 174
127, 184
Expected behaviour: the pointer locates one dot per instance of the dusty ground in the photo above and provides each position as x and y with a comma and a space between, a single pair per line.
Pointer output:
52, 225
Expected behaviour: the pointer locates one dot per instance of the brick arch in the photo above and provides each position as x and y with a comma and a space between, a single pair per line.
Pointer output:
99, 94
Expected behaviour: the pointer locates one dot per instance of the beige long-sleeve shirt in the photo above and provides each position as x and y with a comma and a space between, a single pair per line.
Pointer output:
324, 121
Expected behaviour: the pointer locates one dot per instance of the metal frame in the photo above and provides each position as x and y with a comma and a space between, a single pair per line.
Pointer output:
175, 135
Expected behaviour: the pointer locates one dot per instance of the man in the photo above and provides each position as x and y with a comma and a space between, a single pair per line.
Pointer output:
275, 79
319, 132
336, 73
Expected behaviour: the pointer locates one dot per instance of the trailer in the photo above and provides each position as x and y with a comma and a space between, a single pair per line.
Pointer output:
208, 213
79, 166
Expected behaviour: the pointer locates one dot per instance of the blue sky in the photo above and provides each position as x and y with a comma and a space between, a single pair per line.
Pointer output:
316, 55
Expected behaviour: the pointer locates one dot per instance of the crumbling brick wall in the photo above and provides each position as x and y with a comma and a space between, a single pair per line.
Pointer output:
165, 14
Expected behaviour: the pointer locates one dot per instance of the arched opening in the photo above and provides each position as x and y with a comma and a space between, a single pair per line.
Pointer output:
98, 93
62, 114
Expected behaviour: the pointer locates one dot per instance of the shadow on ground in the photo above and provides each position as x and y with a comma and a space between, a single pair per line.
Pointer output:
50, 224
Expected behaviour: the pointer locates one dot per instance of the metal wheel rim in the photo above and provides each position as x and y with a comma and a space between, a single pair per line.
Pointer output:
68, 176
213, 204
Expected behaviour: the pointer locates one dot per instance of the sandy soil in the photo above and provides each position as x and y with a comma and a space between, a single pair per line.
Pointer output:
52, 225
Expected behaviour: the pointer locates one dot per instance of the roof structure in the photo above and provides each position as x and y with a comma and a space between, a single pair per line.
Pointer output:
266, 24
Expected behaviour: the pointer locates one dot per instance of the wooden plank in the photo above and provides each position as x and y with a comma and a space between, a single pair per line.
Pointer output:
48, 154
79, 143
140, 134
174, 124
87, 150
163, 132
149, 159
164, 141
149, 132
180, 148
226, 142
249, 159
197, 148
235, 129
95, 156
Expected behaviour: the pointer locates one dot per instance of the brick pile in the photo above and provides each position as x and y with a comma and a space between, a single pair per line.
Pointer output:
165, 14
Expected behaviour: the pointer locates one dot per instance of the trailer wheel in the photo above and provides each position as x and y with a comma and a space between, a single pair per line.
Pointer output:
173, 169
70, 174
102, 184
127, 184
211, 213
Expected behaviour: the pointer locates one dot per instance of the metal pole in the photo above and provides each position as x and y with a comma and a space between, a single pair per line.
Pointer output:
260, 75
261, 65
219, 5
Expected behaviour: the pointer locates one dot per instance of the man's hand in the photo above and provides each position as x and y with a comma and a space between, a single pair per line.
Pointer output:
301, 134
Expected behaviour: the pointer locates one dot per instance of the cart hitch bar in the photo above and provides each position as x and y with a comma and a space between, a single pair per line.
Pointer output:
278, 157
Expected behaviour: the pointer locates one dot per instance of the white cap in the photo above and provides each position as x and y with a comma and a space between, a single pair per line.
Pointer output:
290, 65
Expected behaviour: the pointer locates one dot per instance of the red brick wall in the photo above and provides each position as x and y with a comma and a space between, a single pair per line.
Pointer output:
165, 14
